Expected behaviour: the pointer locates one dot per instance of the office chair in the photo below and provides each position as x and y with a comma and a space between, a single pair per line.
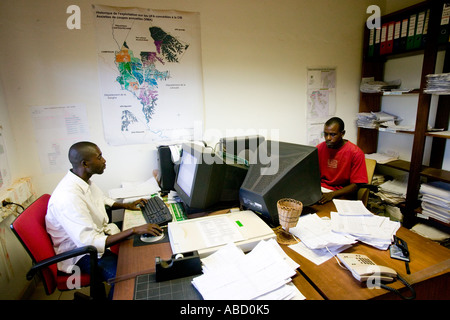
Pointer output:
364, 189
29, 227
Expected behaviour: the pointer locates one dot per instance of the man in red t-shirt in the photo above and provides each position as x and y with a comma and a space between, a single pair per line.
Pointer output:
342, 164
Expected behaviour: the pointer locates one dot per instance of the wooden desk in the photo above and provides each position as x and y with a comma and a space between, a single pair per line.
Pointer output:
430, 265
136, 260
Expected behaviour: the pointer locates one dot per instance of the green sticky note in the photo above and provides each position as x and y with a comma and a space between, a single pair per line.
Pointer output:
239, 223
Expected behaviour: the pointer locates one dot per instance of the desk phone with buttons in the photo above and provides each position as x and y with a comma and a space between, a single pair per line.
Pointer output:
362, 268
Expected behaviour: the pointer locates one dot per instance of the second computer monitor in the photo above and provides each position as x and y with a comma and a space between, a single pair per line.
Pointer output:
205, 179
283, 170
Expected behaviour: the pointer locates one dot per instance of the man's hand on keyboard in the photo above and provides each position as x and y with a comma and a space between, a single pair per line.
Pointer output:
135, 205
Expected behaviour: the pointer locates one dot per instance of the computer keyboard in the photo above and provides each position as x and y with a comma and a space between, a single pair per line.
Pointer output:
156, 211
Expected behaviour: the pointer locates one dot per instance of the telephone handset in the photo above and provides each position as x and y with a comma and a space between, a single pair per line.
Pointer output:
362, 268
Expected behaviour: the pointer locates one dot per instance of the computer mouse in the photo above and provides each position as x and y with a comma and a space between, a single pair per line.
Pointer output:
146, 237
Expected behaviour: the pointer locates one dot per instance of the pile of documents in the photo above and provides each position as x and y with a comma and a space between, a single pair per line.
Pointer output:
436, 200
263, 273
383, 157
438, 83
319, 242
351, 223
381, 119
393, 191
369, 85
352, 218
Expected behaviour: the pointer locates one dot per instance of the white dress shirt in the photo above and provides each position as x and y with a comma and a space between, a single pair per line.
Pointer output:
76, 217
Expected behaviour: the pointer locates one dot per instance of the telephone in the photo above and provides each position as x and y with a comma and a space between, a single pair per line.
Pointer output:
362, 268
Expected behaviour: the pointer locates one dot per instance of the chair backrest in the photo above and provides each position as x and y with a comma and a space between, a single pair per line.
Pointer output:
30, 228
363, 193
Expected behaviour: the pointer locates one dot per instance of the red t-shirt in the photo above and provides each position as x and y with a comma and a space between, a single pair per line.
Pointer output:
341, 167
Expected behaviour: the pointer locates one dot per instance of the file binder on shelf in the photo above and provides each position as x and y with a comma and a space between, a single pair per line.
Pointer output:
443, 36
397, 33
371, 43
390, 37
404, 34
411, 31
425, 28
419, 30
383, 41
376, 51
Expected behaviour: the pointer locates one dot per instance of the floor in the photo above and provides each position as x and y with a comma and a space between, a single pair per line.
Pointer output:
39, 293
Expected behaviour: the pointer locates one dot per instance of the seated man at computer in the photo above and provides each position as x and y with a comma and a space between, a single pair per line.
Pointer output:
76, 214
342, 164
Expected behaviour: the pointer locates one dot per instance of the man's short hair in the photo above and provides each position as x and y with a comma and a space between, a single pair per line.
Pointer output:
336, 120
80, 151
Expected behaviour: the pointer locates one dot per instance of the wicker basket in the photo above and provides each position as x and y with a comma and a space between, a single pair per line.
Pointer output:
289, 211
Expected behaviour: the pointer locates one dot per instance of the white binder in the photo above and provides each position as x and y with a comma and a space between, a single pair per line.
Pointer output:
208, 234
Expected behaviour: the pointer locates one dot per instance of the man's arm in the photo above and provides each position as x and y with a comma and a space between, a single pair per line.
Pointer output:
149, 228
130, 205
345, 191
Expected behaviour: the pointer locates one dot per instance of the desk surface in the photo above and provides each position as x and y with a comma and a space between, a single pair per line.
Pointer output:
429, 264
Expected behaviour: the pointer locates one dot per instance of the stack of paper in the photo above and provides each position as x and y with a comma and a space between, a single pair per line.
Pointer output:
438, 83
353, 219
263, 273
393, 191
316, 233
382, 157
369, 85
366, 120
377, 119
133, 190
318, 241
436, 200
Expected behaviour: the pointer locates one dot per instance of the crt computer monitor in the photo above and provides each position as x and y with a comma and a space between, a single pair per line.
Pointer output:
292, 172
204, 179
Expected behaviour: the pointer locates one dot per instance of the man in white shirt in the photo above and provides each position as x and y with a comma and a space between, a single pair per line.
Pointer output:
76, 214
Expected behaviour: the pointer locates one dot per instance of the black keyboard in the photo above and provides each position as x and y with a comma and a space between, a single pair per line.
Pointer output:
156, 211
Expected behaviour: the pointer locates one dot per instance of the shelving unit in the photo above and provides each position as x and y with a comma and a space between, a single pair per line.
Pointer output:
373, 66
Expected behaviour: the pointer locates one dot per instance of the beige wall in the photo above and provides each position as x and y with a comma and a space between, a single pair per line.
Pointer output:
255, 56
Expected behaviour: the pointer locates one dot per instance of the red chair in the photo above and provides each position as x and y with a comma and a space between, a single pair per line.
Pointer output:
29, 227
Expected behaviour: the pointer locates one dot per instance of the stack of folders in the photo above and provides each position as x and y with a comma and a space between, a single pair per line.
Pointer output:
438, 83
264, 273
436, 200
406, 32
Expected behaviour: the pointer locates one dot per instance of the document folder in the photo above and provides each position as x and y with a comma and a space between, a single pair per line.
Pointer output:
445, 24
208, 234
411, 31
419, 30
397, 33
383, 41
403, 35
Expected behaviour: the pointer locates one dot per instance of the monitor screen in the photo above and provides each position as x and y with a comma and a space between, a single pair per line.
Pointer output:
283, 170
204, 179
186, 172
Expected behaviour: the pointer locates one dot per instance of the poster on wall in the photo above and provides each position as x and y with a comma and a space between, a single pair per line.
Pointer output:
321, 95
150, 74
56, 128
